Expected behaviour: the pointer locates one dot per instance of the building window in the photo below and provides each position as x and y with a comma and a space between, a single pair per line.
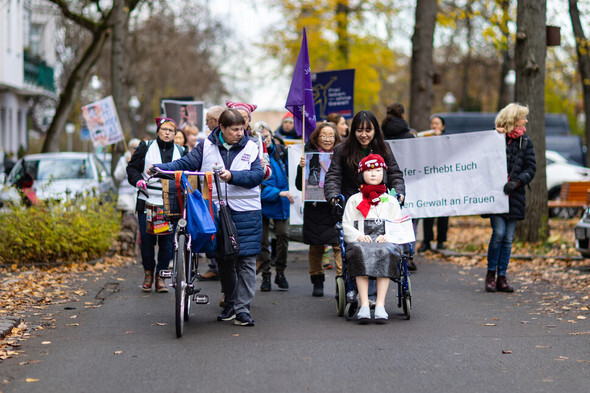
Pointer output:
35, 40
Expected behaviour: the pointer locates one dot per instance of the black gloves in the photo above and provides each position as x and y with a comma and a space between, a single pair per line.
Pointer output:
511, 186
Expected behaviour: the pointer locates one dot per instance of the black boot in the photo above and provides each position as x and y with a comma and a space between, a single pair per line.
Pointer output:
491, 281
502, 285
265, 286
424, 247
281, 281
318, 284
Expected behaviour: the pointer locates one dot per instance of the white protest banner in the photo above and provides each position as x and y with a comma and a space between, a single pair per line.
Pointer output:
103, 122
453, 175
296, 209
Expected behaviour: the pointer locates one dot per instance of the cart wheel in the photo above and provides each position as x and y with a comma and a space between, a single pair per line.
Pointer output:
350, 310
340, 296
406, 302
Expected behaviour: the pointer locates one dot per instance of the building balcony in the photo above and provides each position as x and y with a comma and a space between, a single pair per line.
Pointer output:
38, 73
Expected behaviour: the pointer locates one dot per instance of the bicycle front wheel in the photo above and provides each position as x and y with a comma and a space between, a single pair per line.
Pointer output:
180, 283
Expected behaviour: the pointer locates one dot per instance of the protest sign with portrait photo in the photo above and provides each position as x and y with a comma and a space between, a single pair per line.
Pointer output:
316, 167
103, 122
184, 113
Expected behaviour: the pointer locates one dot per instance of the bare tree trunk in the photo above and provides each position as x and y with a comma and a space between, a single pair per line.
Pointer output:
421, 89
583, 51
72, 91
465, 103
505, 92
120, 24
530, 55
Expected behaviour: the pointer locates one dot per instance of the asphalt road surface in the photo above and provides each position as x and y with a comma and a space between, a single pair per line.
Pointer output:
459, 339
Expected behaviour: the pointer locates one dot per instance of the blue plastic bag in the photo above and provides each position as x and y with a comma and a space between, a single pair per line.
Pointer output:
200, 224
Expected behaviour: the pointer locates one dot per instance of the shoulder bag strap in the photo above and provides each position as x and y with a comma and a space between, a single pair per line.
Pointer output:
177, 176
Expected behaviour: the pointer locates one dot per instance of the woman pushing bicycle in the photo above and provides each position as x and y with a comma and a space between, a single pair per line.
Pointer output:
229, 147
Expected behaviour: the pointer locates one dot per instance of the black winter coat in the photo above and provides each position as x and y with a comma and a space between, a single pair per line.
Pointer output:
318, 221
520, 159
341, 179
396, 128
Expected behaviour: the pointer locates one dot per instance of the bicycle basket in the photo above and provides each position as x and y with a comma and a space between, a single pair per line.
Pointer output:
170, 195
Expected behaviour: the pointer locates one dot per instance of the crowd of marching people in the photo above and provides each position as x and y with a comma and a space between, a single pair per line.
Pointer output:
362, 174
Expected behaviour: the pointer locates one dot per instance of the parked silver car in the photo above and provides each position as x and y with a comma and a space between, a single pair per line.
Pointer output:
582, 232
60, 176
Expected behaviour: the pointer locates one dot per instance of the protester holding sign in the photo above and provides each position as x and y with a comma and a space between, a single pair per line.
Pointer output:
365, 138
160, 150
229, 146
318, 221
521, 164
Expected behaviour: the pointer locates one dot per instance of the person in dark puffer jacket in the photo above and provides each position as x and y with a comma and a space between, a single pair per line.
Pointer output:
394, 125
228, 145
520, 158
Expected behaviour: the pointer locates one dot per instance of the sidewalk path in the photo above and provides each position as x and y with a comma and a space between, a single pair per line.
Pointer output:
460, 339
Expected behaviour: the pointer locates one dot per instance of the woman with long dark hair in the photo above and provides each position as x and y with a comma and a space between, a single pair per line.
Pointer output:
365, 138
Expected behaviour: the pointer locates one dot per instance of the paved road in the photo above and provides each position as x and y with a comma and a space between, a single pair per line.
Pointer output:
453, 343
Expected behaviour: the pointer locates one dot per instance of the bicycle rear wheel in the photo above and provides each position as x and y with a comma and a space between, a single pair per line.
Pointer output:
180, 283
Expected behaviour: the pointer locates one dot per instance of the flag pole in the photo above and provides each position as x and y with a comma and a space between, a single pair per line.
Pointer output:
303, 150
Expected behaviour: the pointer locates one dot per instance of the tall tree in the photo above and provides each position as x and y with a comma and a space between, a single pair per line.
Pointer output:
583, 52
530, 55
100, 28
422, 68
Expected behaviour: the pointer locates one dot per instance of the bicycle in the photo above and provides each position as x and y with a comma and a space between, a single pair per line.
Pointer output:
185, 262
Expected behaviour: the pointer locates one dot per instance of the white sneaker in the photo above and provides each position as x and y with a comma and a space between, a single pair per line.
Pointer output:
380, 314
364, 314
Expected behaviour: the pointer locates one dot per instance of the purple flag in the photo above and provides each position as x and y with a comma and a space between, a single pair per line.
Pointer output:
301, 93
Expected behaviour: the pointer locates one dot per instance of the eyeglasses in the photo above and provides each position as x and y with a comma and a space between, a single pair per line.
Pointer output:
168, 130
327, 138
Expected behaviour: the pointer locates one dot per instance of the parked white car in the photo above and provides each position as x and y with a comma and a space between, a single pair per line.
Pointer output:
60, 176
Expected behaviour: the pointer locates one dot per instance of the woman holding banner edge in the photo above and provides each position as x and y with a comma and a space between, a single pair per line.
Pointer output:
365, 138
521, 165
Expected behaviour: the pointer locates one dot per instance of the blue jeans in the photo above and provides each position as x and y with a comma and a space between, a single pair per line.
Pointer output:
501, 243
148, 247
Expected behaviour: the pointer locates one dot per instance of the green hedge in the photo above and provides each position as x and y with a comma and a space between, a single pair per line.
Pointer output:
75, 231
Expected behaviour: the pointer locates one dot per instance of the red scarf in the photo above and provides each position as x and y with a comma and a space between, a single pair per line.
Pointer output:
371, 194
517, 132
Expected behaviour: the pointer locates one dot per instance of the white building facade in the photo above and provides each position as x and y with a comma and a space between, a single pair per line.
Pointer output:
27, 60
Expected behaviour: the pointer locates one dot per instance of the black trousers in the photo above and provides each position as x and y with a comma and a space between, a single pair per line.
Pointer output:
442, 226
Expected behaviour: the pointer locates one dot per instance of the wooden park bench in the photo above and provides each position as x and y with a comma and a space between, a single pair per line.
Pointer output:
572, 195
